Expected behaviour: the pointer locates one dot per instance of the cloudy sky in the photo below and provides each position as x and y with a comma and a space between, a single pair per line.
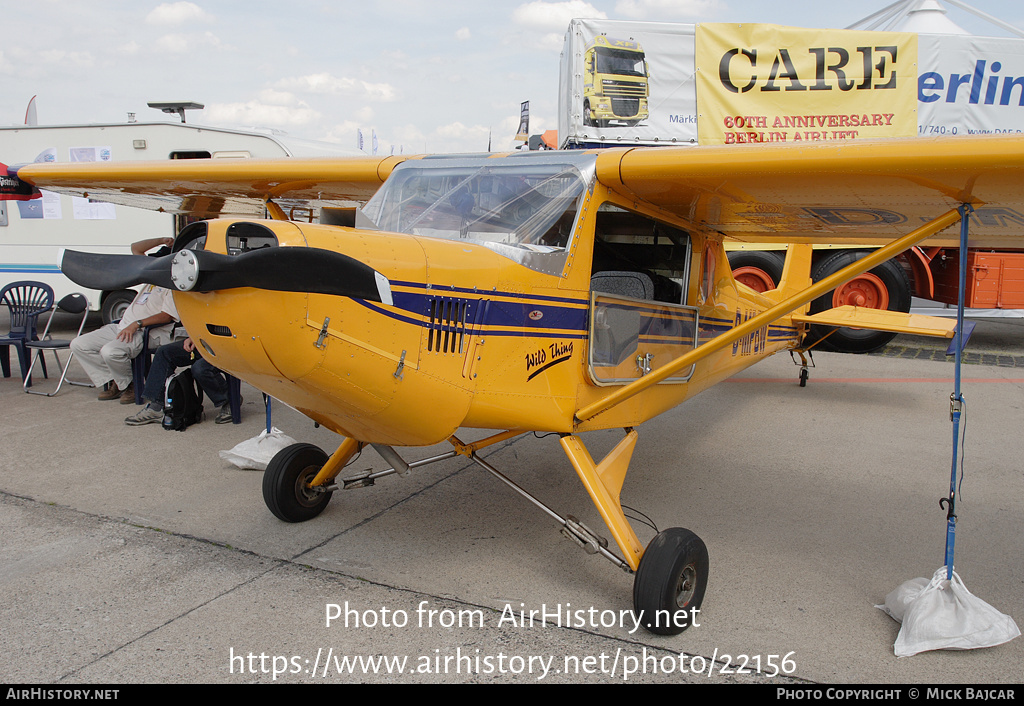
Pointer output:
429, 76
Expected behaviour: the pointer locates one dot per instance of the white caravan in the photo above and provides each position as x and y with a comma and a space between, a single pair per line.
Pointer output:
33, 233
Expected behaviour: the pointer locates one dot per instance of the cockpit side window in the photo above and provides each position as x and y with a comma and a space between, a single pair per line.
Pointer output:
244, 237
632, 243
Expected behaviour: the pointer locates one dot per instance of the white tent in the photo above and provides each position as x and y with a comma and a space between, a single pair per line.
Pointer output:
925, 17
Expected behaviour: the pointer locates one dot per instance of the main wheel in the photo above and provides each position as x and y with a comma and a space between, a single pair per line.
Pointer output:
286, 481
760, 270
670, 581
885, 287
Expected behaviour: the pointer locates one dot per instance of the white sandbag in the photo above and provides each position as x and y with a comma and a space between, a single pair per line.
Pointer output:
944, 615
255, 453
896, 602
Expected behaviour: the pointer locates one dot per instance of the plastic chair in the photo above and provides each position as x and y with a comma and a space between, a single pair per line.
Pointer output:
25, 301
72, 304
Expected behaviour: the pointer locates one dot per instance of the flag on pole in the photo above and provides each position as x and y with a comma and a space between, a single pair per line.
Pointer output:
523, 134
30, 113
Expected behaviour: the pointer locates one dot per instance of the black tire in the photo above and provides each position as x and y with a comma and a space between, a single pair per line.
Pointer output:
286, 483
115, 303
760, 270
889, 276
670, 581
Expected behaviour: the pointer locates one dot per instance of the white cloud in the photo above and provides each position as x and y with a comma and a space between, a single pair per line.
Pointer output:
364, 115
183, 43
669, 9
462, 34
82, 60
343, 134
554, 16
260, 113
542, 24
272, 97
456, 137
338, 85
177, 13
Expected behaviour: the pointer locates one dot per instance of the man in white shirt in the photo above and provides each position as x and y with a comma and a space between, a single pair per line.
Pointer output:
106, 354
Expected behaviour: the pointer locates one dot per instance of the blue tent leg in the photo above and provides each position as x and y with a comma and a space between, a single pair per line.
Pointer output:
956, 400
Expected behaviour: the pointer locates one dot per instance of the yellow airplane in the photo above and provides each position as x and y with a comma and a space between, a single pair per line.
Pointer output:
531, 292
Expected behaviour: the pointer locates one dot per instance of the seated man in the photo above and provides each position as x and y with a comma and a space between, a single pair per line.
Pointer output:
167, 359
106, 354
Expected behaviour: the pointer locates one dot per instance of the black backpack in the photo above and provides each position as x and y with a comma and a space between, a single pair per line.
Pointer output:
183, 401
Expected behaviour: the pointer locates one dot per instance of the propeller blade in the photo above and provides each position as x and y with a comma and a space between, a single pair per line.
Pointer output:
283, 269
112, 272
280, 269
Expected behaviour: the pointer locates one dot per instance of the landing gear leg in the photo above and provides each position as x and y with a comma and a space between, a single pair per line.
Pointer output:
672, 574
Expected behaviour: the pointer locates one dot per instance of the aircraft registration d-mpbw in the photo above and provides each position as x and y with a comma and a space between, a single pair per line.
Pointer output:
532, 292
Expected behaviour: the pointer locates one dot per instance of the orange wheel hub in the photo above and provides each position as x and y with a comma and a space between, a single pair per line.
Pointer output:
866, 290
754, 277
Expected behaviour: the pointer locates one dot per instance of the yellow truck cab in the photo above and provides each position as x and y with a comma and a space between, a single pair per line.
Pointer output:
615, 88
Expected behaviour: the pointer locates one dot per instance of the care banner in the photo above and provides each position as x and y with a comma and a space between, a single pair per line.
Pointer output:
768, 83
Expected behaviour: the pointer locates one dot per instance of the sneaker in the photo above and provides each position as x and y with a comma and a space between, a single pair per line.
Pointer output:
146, 415
224, 415
128, 396
111, 393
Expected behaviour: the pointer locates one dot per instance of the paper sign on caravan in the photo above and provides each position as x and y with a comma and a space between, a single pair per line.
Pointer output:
767, 83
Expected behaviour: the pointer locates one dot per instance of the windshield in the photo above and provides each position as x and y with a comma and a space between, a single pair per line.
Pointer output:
519, 207
623, 63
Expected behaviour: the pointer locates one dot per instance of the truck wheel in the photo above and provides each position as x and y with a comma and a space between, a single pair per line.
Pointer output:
115, 303
760, 270
885, 287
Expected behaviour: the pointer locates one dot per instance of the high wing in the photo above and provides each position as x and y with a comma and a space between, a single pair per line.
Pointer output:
818, 192
210, 188
855, 191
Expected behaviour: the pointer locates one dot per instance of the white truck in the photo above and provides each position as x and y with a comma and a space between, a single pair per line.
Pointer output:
33, 233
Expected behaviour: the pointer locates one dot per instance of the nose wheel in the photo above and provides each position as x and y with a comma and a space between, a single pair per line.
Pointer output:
670, 581
286, 483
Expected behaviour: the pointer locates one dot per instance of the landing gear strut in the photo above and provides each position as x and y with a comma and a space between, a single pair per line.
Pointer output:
670, 576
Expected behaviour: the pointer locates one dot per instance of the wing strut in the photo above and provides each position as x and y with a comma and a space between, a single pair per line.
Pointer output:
768, 316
